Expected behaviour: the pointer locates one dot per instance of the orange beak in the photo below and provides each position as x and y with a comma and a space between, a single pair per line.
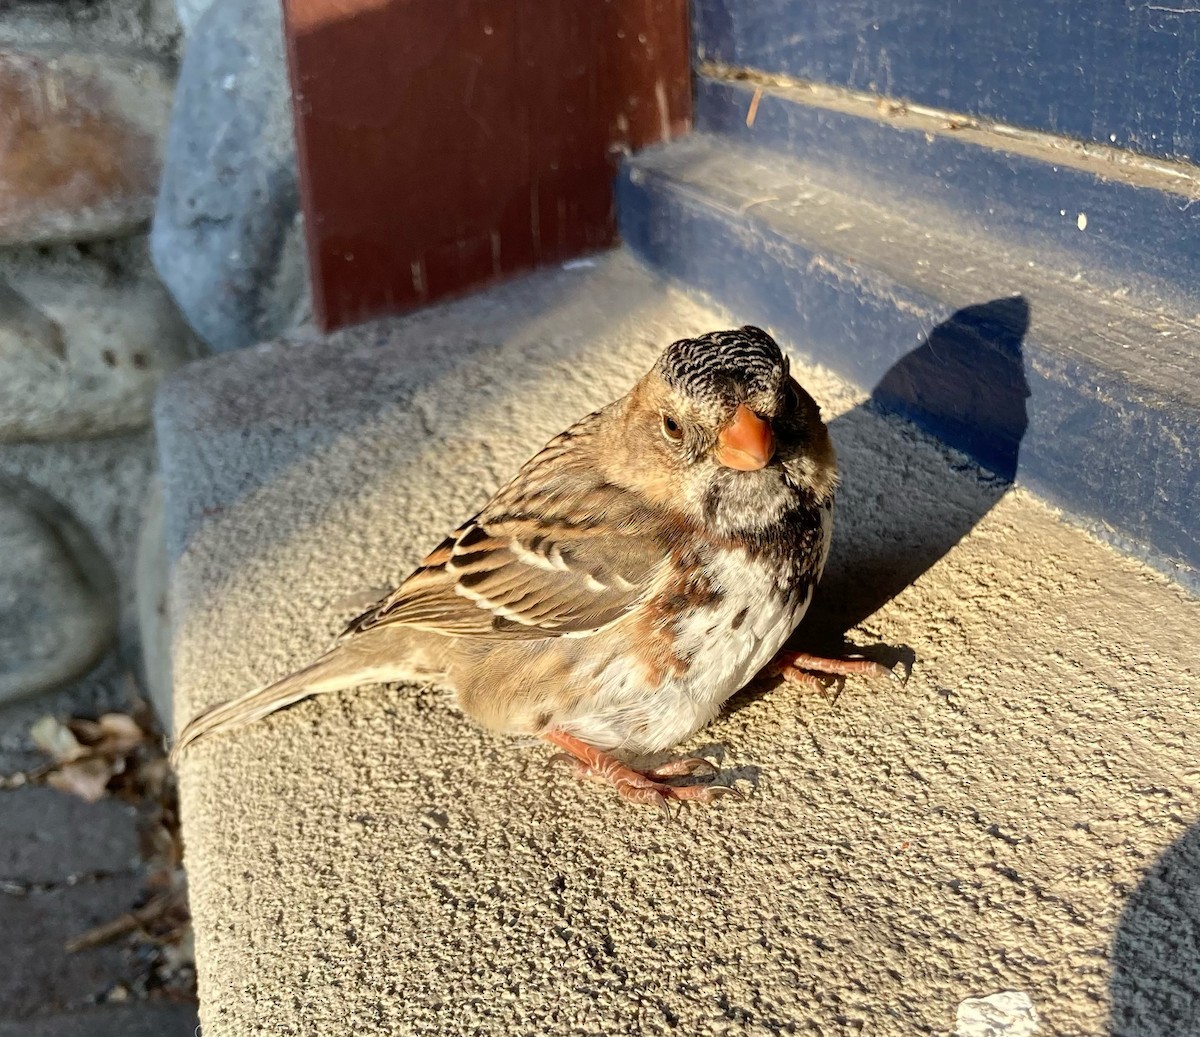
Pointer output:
747, 443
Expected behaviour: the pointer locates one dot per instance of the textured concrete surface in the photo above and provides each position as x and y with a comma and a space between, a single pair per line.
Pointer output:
1021, 816
154, 629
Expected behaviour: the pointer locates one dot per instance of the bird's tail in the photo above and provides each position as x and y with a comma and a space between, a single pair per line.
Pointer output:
330, 672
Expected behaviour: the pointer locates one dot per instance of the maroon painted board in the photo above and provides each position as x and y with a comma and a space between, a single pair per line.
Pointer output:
445, 144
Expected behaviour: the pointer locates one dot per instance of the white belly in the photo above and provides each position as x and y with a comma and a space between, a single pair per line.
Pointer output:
726, 644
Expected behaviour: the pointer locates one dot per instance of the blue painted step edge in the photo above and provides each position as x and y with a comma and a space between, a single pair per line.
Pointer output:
1113, 71
1133, 237
983, 380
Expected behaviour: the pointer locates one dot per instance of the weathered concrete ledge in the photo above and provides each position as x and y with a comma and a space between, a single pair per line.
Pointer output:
1021, 816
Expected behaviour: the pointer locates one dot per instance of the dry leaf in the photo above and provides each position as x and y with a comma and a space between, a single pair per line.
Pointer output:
86, 731
87, 779
121, 755
120, 733
55, 739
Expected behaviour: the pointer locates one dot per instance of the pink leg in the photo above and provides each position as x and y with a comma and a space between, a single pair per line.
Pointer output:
632, 785
800, 668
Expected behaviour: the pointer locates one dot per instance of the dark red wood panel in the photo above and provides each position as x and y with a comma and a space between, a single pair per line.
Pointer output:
447, 143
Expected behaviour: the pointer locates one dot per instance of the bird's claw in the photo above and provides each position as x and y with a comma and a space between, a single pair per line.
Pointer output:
715, 792
802, 668
637, 786
874, 670
662, 796
684, 767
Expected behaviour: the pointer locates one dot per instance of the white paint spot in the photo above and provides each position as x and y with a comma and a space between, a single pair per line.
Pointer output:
1081, 221
1009, 1013
1062, 212
578, 264
1112, 137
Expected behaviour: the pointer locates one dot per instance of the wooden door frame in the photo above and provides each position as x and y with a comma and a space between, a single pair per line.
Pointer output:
446, 144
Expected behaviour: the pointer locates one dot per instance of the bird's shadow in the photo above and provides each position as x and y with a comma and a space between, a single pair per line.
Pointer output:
901, 506
1154, 989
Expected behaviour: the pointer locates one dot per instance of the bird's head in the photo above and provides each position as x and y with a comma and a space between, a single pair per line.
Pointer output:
719, 429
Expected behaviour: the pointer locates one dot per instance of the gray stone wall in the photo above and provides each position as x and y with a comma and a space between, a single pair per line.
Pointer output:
139, 229
87, 330
149, 213
227, 236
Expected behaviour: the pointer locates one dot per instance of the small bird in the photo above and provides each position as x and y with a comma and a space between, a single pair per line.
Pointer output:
648, 563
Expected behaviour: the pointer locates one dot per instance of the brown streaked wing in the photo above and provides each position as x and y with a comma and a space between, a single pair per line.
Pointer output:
517, 577
558, 551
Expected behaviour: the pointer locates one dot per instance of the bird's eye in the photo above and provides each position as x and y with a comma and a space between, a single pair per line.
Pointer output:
671, 429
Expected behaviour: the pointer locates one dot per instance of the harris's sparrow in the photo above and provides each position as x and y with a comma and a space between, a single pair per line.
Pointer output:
648, 563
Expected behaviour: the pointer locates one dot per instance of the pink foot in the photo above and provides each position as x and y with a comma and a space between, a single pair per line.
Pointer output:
637, 786
801, 668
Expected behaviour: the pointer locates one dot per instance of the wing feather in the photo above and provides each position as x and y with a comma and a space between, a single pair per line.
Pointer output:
558, 552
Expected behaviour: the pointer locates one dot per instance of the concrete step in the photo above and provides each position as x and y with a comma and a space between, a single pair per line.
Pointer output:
1019, 816
1076, 379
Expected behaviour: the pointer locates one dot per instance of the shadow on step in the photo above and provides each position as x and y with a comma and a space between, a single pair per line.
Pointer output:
903, 506
1155, 984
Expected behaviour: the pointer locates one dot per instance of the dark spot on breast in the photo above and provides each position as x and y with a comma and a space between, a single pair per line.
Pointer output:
712, 501
109, 357
740, 618
140, 361
543, 721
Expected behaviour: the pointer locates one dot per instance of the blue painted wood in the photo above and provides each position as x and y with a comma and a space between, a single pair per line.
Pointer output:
1119, 71
1086, 437
1135, 236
